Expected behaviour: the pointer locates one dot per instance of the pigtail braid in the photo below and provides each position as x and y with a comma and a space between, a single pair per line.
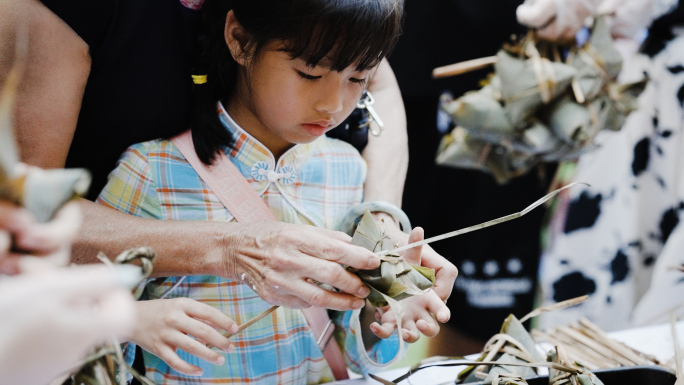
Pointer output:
209, 135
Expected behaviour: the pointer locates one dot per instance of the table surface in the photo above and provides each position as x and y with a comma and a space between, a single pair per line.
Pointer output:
655, 340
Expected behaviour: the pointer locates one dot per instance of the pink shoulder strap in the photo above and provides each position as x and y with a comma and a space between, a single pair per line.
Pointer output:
235, 193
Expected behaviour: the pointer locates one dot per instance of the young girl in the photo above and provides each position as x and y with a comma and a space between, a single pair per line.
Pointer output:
279, 75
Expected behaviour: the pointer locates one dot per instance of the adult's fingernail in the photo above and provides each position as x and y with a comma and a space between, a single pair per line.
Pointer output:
220, 360
197, 373
363, 292
358, 304
234, 329
373, 263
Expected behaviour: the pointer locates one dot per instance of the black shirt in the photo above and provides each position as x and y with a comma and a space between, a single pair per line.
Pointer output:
139, 87
498, 265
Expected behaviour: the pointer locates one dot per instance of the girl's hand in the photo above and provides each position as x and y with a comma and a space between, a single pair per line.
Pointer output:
166, 325
417, 318
419, 310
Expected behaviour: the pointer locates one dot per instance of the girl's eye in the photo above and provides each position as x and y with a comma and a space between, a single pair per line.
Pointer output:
357, 80
307, 76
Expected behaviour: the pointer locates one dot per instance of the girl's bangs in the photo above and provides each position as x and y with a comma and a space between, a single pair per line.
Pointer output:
342, 36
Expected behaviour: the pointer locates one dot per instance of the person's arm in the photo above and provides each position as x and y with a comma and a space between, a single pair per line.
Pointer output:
53, 81
387, 154
387, 159
278, 260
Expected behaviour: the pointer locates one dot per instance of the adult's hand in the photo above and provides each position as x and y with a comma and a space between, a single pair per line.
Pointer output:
556, 19
27, 245
51, 319
561, 19
282, 262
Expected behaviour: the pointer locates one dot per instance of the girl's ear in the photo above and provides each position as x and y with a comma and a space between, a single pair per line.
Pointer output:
236, 38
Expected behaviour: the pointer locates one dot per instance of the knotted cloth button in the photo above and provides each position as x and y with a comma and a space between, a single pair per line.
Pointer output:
261, 171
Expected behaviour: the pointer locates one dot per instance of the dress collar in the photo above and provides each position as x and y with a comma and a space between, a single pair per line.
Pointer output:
257, 161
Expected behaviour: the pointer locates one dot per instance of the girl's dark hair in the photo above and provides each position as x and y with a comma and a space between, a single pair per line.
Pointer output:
347, 32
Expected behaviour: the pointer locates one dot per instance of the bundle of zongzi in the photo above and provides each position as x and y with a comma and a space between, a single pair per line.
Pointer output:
545, 102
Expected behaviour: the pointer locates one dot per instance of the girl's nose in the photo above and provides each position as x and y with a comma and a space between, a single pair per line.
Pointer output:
330, 100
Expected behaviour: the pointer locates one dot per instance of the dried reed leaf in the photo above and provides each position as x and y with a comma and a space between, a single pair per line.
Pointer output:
489, 363
582, 376
493, 222
584, 356
555, 306
594, 345
513, 335
594, 332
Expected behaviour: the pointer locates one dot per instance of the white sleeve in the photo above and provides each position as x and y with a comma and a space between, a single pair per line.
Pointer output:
634, 16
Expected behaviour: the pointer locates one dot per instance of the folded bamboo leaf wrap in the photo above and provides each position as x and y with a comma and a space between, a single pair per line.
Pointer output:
395, 279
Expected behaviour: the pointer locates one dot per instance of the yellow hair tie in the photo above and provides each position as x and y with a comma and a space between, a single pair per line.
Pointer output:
199, 79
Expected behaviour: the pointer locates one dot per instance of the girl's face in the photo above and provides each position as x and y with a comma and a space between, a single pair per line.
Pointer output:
282, 101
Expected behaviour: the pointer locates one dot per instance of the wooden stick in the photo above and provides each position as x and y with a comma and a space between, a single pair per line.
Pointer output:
463, 67
253, 320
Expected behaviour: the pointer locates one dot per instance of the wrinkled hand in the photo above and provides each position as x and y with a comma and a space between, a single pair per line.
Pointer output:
40, 245
165, 325
51, 320
556, 19
280, 261
418, 310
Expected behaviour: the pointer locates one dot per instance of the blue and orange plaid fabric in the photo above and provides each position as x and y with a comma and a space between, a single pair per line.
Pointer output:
316, 184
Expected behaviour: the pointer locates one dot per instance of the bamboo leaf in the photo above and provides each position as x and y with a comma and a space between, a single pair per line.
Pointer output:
394, 279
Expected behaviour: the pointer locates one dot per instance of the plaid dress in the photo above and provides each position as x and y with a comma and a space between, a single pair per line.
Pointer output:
316, 184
